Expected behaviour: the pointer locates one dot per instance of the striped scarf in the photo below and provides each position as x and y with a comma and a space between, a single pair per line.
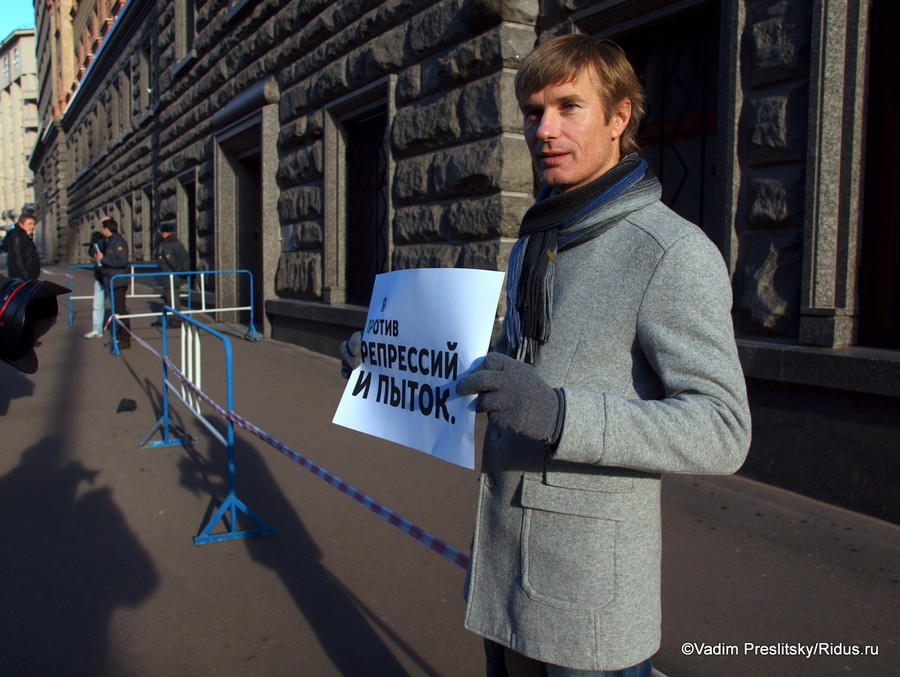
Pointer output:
529, 284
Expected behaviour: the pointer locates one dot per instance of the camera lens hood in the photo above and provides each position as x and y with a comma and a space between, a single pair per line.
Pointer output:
27, 311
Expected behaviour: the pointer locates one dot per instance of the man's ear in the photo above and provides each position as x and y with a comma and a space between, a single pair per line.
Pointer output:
621, 115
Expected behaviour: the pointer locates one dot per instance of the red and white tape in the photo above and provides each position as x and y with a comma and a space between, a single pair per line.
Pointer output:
432, 542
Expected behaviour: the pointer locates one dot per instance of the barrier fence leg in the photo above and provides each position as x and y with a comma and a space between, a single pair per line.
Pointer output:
114, 337
232, 505
166, 424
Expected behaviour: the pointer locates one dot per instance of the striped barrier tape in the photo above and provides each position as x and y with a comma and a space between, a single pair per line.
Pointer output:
409, 528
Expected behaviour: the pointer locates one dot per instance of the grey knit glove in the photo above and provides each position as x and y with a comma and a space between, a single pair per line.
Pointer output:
350, 358
515, 396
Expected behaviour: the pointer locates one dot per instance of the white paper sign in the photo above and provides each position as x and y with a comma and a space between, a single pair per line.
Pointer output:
425, 328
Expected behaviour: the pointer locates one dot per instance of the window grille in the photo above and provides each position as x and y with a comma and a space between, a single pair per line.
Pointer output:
367, 226
678, 64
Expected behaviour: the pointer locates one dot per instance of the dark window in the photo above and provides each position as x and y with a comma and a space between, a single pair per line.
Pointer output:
143, 228
146, 77
678, 62
879, 288
184, 27
188, 211
367, 227
124, 99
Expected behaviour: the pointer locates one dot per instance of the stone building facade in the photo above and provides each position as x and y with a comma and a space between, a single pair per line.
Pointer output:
319, 143
18, 123
68, 34
56, 57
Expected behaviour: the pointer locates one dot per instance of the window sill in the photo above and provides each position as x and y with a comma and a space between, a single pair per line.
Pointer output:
874, 371
185, 62
316, 311
145, 117
236, 9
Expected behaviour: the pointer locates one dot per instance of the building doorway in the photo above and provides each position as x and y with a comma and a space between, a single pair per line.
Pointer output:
239, 211
367, 226
880, 266
678, 62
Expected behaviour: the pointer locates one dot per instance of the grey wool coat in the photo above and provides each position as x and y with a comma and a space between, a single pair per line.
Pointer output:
566, 552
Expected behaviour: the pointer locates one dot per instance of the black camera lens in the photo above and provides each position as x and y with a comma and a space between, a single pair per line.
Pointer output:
27, 311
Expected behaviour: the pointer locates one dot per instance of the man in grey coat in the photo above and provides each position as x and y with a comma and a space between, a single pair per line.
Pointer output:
617, 363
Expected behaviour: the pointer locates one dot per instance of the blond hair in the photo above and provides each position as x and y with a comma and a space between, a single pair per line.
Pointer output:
563, 58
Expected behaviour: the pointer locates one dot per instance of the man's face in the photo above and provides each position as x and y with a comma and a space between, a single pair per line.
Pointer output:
567, 133
104, 230
27, 225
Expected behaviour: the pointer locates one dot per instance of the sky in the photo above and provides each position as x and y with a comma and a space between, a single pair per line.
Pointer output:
16, 14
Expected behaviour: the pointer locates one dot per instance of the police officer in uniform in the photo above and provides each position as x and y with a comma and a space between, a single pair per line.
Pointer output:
172, 257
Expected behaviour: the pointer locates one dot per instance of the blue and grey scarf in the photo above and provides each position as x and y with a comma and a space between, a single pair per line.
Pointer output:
549, 227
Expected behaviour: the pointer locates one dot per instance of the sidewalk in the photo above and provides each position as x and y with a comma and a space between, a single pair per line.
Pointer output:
101, 576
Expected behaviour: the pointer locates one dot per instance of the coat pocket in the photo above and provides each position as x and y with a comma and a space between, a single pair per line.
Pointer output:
569, 541
590, 477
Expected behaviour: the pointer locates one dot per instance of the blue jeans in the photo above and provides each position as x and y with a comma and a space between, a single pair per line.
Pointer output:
99, 309
500, 660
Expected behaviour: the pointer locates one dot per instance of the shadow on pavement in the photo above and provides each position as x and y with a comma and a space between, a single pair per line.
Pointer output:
15, 385
344, 626
69, 560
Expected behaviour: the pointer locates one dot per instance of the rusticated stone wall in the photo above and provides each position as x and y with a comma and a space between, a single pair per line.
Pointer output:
110, 139
459, 175
774, 131
460, 178
791, 92
50, 166
768, 111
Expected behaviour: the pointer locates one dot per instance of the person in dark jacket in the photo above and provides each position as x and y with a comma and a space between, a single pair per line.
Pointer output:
172, 257
23, 259
113, 260
98, 315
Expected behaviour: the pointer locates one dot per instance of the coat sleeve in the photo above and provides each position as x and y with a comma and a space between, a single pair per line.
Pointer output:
701, 421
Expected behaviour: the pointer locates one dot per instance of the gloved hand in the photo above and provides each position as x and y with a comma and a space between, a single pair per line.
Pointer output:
350, 358
515, 396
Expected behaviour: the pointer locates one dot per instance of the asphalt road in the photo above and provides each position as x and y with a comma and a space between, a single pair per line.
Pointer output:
101, 575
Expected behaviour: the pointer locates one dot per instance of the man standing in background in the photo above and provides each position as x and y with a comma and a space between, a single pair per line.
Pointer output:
172, 257
23, 260
113, 261
97, 243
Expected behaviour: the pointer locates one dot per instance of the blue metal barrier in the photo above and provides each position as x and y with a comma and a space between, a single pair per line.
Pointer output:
190, 373
131, 294
252, 334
